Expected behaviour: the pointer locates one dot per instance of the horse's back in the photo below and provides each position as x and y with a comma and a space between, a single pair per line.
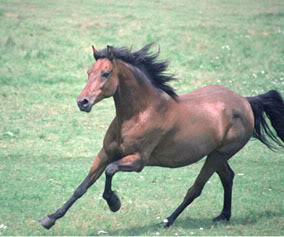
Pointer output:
217, 100
211, 93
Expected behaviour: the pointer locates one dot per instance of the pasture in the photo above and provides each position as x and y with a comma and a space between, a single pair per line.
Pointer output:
47, 146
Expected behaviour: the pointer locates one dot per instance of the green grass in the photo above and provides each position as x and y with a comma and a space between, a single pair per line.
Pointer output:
47, 145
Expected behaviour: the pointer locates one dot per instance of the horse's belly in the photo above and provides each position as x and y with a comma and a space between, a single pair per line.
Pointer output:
181, 153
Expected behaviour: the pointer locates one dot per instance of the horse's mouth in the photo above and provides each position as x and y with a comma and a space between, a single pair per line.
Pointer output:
86, 109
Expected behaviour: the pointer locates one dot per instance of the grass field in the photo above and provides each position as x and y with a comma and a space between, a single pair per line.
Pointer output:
47, 146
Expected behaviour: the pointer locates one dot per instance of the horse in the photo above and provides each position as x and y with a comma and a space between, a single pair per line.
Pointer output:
153, 126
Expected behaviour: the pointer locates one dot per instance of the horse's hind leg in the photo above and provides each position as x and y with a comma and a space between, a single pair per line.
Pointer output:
212, 163
226, 175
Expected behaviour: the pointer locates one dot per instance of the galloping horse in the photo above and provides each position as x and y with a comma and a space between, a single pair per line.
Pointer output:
154, 126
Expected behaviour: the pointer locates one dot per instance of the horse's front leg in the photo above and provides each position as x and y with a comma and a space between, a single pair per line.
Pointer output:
95, 172
126, 164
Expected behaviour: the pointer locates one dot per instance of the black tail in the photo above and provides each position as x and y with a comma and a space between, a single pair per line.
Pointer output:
273, 105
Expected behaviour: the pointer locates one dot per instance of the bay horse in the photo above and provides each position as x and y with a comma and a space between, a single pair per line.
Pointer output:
154, 126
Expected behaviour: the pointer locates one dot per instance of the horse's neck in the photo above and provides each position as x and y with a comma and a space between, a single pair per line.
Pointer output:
134, 94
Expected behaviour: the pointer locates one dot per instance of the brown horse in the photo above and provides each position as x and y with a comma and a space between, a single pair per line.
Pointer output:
154, 126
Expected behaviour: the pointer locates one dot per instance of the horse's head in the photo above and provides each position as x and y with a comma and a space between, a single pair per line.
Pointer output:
102, 81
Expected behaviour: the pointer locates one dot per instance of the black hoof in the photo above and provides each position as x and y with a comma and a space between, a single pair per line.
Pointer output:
47, 222
222, 217
113, 202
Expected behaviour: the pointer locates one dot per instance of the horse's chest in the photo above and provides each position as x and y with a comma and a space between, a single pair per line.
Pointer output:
138, 138
131, 141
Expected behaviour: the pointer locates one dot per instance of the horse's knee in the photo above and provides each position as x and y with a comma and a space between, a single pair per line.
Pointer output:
111, 169
79, 192
192, 193
232, 175
228, 183
197, 193
230, 179
226, 175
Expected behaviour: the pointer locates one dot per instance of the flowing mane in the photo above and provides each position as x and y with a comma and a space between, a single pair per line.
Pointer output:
147, 62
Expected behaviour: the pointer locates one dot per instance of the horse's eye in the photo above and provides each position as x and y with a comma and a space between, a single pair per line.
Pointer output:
106, 74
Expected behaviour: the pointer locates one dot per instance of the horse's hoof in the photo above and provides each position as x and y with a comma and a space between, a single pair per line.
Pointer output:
114, 202
47, 222
167, 222
116, 206
222, 217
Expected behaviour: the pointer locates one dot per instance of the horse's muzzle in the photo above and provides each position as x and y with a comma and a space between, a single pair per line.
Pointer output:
84, 104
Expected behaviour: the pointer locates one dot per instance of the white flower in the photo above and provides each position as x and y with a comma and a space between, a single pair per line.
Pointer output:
10, 134
2, 226
226, 47
101, 232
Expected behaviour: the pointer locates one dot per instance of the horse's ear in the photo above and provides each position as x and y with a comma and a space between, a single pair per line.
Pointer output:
96, 53
110, 53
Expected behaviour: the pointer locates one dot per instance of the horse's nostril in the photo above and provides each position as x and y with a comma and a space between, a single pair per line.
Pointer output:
85, 102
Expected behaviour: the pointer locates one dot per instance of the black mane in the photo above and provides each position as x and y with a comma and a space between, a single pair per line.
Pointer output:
148, 64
